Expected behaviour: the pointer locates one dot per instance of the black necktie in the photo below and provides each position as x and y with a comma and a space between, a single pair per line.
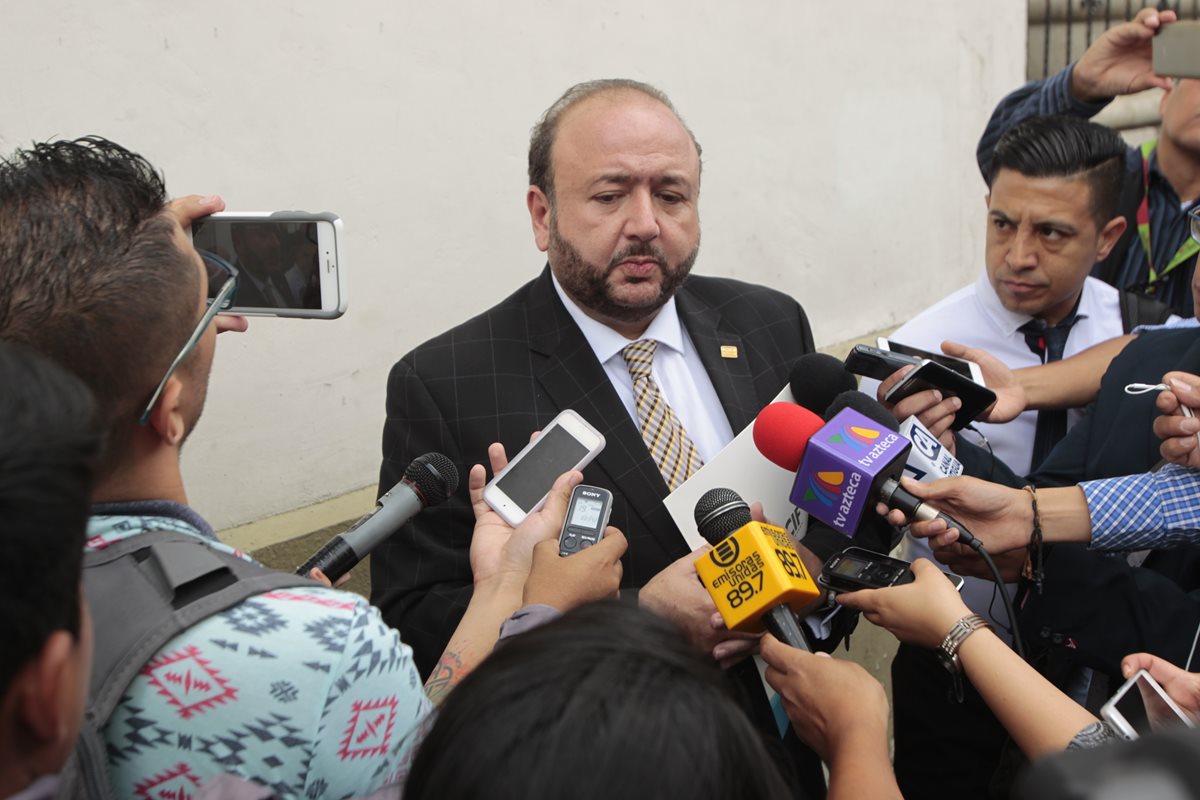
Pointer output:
1048, 344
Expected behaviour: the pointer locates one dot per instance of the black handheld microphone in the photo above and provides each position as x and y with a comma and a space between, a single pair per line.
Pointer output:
817, 379
753, 572
429, 480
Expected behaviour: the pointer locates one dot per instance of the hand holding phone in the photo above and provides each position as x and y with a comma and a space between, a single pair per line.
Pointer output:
566, 444
287, 263
855, 568
918, 612
968, 369
932, 375
1141, 706
876, 362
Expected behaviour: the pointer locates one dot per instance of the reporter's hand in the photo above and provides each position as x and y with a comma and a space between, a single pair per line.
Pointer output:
962, 560
676, 594
1180, 444
1011, 400
231, 323
1121, 60
919, 613
999, 516
1181, 686
320, 577
185, 211
583, 577
830, 702
929, 406
496, 547
189, 208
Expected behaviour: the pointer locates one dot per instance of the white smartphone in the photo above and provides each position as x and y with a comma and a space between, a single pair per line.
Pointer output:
288, 263
968, 369
519, 489
1140, 707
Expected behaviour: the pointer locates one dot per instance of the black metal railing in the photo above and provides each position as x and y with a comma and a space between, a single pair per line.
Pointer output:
1061, 30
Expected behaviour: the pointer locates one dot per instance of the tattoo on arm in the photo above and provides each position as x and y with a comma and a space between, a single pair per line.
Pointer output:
446, 673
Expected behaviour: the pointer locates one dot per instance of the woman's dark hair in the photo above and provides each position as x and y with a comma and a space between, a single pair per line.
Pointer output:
49, 440
606, 702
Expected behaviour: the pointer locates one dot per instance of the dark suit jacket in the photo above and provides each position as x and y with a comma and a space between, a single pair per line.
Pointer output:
1096, 608
508, 372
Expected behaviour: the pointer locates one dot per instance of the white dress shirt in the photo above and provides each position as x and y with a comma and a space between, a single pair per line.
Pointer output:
677, 369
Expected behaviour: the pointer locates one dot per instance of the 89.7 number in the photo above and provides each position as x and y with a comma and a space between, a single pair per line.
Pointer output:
744, 591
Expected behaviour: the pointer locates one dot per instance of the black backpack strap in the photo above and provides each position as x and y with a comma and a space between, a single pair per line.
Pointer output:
1139, 309
144, 591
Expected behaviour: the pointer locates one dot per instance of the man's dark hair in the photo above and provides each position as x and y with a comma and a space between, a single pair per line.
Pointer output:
541, 140
90, 274
1059, 146
608, 701
49, 439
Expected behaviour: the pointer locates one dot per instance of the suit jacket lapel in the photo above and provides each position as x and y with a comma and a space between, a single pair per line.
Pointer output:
730, 377
566, 367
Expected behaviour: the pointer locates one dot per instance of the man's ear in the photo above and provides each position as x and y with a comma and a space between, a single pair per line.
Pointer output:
167, 417
987, 200
1109, 236
539, 215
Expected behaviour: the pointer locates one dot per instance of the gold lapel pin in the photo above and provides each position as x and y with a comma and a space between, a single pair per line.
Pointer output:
729, 351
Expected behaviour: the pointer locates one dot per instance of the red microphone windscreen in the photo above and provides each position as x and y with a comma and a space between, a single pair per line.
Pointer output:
782, 431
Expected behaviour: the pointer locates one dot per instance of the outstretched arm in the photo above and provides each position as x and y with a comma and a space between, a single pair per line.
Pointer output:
1039, 717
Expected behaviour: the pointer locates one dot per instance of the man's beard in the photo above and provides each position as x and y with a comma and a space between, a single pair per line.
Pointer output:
587, 283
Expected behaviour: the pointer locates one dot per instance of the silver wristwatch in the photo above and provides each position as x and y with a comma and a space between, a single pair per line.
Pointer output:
947, 652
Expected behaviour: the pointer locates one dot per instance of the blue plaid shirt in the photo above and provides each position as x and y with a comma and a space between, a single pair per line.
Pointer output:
1148, 510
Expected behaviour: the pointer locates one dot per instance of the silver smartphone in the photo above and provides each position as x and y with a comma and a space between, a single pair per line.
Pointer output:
968, 369
519, 489
288, 263
1141, 706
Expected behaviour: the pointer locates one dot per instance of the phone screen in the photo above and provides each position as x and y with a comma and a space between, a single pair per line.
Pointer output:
1133, 709
1144, 709
552, 454
277, 262
956, 364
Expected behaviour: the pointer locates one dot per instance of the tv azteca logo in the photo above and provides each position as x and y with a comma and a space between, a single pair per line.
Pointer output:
854, 437
825, 487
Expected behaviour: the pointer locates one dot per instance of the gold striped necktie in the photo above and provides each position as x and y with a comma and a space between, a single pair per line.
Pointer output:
662, 431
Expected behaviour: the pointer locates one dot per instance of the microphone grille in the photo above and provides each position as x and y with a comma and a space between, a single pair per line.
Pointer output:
434, 476
720, 512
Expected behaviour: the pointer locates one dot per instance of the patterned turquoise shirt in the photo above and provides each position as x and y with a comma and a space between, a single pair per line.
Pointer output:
304, 690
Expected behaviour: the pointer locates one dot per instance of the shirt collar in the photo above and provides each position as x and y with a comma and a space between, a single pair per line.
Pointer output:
156, 508
1010, 322
606, 343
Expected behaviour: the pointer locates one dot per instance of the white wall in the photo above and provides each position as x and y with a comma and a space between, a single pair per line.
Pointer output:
839, 166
